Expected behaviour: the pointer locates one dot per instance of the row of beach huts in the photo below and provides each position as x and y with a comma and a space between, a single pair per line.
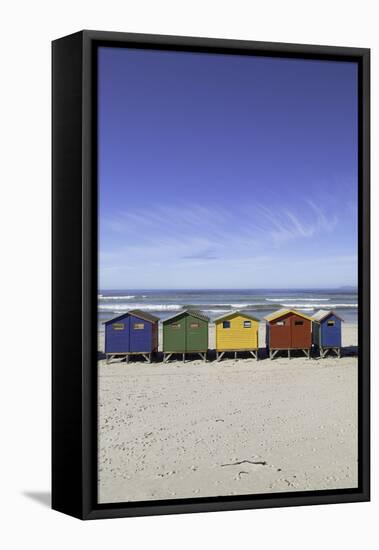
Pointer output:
186, 332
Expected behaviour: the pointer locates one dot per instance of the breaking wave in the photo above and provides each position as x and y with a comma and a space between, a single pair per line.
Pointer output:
316, 306
102, 297
281, 300
147, 307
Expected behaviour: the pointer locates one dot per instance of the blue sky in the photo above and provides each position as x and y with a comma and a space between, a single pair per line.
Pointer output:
221, 171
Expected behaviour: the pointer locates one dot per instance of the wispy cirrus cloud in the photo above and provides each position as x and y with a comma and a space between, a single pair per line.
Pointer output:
201, 233
202, 246
286, 224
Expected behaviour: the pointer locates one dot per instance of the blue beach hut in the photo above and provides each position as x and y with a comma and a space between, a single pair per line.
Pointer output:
327, 332
132, 333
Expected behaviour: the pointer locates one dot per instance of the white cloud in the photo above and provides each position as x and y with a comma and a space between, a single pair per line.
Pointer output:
202, 231
210, 245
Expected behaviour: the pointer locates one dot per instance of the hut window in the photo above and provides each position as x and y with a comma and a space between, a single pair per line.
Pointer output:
226, 324
331, 323
194, 325
299, 323
118, 326
246, 324
139, 326
175, 325
280, 323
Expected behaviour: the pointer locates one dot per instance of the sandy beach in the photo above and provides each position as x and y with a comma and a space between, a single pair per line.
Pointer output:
195, 429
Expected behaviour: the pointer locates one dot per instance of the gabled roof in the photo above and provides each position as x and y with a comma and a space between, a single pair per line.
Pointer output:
236, 312
193, 312
323, 314
137, 313
284, 311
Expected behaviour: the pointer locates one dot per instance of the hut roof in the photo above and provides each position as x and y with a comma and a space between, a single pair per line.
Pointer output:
137, 313
323, 314
284, 311
193, 312
236, 312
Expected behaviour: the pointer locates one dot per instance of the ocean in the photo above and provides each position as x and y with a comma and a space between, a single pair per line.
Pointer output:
213, 303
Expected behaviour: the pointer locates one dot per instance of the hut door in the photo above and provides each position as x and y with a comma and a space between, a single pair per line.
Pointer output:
300, 333
280, 333
140, 335
117, 337
330, 332
195, 335
175, 335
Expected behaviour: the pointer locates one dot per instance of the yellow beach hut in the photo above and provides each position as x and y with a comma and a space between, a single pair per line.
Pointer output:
236, 331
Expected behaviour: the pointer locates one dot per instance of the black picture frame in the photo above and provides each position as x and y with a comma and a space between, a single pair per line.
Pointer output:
74, 272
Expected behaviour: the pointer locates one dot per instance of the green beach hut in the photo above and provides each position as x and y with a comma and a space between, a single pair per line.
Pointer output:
185, 332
